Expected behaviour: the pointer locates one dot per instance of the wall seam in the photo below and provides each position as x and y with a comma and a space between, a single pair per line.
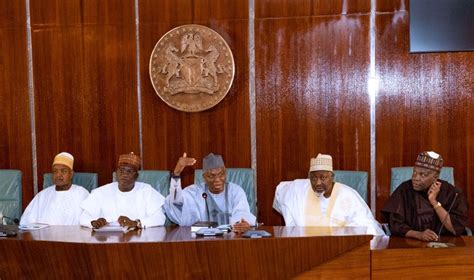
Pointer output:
252, 100
372, 87
31, 96
139, 91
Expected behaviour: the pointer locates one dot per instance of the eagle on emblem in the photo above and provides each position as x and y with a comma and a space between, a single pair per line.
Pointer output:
192, 43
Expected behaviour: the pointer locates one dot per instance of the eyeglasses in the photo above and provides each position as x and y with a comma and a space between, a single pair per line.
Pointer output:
215, 176
126, 170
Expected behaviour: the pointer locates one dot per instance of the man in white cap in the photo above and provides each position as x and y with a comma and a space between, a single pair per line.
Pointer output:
226, 201
418, 206
320, 201
127, 202
60, 203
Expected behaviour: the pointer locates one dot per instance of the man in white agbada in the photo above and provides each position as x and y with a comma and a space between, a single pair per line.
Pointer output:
226, 201
319, 201
129, 203
58, 204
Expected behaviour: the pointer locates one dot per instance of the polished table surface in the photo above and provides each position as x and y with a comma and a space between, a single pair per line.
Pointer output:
174, 253
406, 258
78, 234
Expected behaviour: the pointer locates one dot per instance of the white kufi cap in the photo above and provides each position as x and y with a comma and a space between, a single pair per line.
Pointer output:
321, 163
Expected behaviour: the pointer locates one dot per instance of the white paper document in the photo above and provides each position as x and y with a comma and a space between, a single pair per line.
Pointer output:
112, 227
32, 226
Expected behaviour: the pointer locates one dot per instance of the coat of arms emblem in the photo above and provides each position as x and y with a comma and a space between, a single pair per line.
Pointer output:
192, 68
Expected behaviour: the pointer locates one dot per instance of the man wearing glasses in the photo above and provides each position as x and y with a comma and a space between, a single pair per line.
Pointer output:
129, 203
320, 201
214, 200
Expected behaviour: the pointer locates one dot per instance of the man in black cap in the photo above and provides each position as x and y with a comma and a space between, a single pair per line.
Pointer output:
226, 201
418, 208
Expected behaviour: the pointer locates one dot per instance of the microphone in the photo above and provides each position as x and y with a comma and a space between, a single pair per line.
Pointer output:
447, 215
204, 195
210, 230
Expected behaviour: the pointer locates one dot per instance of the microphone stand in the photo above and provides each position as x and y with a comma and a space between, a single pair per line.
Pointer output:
204, 195
209, 231
442, 244
447, 215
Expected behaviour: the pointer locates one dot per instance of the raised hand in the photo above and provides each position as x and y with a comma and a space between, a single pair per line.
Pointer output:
433, 192
182, 163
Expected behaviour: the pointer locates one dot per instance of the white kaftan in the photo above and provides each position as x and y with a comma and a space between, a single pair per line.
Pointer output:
55, 207
187, 206
300, 206
143, 202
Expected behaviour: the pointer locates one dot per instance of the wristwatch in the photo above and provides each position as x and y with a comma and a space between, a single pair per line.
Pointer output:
175, 176
437, 205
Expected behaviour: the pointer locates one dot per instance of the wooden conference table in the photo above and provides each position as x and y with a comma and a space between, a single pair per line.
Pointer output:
65, 252
405, 258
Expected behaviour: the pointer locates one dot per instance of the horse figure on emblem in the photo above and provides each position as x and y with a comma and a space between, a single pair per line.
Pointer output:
173, 65
208, 67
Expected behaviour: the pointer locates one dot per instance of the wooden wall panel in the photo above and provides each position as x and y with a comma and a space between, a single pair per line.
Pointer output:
55, 14
223, 129
391, 5
303, 8
85, 83
189, 11
15, 128
12, 14
425, 102
312, 64
311, 98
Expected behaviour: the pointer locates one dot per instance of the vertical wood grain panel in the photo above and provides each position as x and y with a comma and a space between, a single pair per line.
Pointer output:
15, 128
179, 11
85, 82
425, 102
12, 14
303, 8
223, 129
311, 95
289, 8
391, 5
311, 98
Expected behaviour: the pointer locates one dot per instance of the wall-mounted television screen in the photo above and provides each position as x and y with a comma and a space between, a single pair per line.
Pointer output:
441, 25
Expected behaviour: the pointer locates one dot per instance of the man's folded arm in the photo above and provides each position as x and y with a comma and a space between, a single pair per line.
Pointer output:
397, 225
